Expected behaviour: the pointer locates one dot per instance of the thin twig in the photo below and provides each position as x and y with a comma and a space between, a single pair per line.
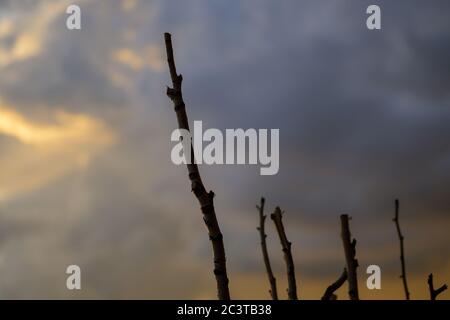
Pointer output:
272, 280
434, 293
402, 254
205, 198
286, 245
329, 293
350, 253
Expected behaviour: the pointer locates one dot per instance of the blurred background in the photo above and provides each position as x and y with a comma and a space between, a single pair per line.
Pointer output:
85, 170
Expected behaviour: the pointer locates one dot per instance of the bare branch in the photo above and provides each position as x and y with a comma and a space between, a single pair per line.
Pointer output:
286, 245
350, 253
272, 280
402, 255
434, 293
329, 293
205, 198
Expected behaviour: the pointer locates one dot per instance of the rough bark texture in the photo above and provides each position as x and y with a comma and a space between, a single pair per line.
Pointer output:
329, 293
286, 245
434, 293
402, 255
350, 253
205, 198
272, 280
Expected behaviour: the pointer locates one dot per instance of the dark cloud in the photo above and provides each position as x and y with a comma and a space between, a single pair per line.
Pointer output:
363, 118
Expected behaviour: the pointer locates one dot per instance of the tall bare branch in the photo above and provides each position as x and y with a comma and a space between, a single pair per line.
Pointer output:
434, 293
402, 254
350, 253
329, 293
286, 245
263, 236
204, 198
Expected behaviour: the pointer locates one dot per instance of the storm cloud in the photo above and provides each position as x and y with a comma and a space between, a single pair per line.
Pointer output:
363, 117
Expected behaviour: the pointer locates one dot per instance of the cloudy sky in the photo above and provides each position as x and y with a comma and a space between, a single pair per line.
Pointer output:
85, 125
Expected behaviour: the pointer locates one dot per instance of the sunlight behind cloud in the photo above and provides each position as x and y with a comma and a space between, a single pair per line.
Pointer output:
151, 57
44, 152
69, 129
128, 5
6, 28
29, 40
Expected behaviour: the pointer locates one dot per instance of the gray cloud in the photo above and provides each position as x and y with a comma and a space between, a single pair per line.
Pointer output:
363, 118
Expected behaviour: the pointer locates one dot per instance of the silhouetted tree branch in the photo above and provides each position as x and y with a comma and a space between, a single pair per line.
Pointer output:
205, 198
402, 255
434, 293
286, 245
329, 293
350, 253
272, 280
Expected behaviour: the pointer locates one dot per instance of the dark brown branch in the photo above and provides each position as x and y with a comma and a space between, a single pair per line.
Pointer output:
204, 198
272, 280
350, 253
329, 293
286, 245
402, 255
434, 293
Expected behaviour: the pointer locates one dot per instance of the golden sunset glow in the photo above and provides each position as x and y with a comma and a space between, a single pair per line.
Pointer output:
47, 151
29, 38
150, 57
69, 129
87, 175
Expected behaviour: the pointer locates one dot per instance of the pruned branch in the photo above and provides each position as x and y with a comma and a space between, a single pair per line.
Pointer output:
434, 293
402, 254
329, 293
286, 245
204, 198
350, 254
263, 236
